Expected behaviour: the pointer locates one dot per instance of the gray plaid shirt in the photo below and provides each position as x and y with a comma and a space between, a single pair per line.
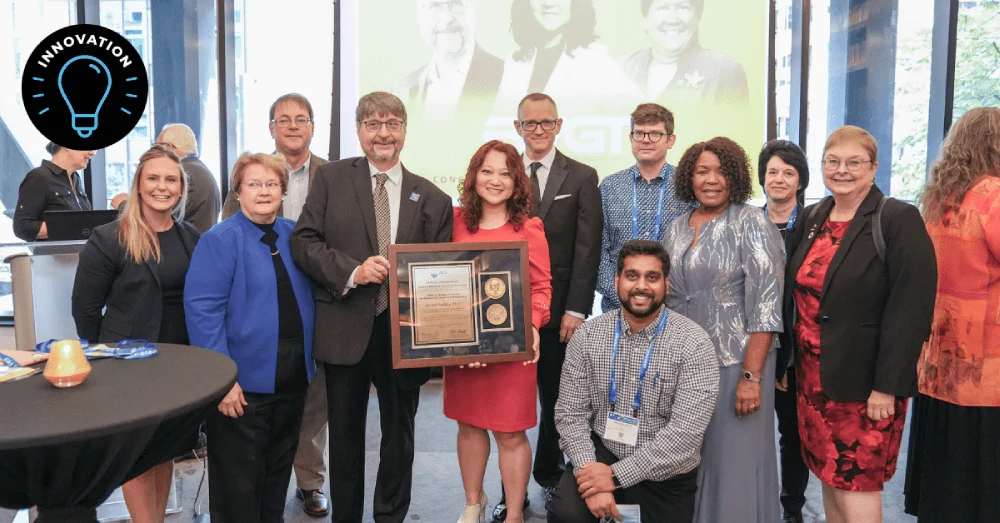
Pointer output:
678, 395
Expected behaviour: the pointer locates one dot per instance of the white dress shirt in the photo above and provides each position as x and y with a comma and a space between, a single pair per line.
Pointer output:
393, 188
443, 84
298, 188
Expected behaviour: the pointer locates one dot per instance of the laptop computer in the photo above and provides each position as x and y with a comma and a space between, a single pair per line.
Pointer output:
76, 225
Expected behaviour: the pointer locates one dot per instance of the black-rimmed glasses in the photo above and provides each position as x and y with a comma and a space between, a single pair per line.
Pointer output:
654, 136
531, 125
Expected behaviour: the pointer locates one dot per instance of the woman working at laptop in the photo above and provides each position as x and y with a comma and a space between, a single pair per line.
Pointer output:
53, 186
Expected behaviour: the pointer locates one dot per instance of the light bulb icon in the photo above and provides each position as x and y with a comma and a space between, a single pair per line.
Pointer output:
85, 104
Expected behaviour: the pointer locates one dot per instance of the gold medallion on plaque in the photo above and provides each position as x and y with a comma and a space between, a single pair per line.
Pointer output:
496, 314
495, 288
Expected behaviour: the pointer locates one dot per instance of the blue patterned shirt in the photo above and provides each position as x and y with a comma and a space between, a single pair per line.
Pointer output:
616, 199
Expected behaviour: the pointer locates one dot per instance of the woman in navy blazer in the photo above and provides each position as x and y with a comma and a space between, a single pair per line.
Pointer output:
133, 270
246, 299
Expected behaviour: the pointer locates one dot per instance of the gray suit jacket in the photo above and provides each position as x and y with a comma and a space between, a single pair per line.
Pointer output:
202, 208
232, 205
573, 226
336, 233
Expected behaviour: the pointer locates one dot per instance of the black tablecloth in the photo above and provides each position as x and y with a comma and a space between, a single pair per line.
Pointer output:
66, 450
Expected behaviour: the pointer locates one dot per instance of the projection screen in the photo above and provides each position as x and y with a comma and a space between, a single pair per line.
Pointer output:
462, 66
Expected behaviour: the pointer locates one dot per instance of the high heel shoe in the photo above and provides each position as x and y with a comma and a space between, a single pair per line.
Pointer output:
475, 513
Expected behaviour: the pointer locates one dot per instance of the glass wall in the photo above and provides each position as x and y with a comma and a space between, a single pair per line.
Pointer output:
783, 67
977, 56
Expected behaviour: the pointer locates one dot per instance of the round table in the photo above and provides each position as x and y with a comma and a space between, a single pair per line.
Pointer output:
66, 450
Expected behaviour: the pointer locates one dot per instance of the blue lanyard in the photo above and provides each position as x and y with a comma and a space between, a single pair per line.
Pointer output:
791, 219
635, 210
7, 361
613, 391
124, 350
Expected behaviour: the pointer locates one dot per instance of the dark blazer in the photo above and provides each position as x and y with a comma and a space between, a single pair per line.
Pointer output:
873, 317
202, 209
480, 88
232, 205
46, 188
131, 291
573, 226
336, 233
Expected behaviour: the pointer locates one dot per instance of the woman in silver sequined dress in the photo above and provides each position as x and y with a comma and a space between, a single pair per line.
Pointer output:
727, 274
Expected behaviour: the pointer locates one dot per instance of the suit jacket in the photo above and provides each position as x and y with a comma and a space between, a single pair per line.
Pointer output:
479, 90
336, 233
130, 291
202, 209
232, 205
231, 299
873, 316
573, 226
702, 74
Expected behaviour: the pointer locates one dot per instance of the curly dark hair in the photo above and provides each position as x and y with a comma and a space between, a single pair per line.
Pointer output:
520, 205
529, 35
735, 168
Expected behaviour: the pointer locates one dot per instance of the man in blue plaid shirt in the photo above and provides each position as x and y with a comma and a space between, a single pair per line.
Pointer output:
639, 202
638, 389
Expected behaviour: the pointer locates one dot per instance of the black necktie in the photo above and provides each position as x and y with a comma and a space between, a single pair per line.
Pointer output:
535, 190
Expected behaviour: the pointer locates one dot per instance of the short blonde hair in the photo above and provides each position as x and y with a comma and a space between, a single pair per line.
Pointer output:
273, 162
855, 135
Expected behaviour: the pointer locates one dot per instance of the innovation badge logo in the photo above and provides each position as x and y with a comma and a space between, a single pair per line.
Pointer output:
84, 87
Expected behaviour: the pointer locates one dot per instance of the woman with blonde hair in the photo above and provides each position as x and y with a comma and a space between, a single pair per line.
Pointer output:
133, 269
953, 470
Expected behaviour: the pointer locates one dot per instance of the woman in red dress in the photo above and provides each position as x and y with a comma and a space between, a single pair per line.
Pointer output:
863, 312
496, 204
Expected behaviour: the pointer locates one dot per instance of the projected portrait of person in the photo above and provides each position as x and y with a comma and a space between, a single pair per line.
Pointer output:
558, 53
676, 68
460, 74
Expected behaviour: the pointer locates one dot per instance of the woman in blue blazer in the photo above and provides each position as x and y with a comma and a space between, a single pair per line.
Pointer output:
246, 299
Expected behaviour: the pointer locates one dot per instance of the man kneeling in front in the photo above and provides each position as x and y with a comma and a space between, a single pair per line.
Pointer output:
637, 391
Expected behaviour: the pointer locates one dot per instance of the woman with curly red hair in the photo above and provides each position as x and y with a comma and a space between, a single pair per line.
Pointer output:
496, 205
727, 273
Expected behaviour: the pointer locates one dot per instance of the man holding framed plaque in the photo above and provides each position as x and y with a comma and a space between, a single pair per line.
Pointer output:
355, 209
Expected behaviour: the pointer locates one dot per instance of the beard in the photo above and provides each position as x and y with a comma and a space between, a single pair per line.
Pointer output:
654, 305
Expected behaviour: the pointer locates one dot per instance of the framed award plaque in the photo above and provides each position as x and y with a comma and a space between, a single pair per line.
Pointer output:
459, 303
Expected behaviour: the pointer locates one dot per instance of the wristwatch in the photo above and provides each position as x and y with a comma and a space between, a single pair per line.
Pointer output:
747, 375
614, 479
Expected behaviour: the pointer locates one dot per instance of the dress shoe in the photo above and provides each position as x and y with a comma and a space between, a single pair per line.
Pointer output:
789, 517
500, 511
314, 502
475, 513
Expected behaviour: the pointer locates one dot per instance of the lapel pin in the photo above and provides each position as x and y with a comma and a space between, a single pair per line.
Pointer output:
414, 197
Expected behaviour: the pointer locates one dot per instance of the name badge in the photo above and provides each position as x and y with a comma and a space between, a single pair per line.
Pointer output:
622, 429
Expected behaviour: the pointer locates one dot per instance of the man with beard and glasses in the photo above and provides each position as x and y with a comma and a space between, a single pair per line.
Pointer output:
676, 67
460, 76
638, 389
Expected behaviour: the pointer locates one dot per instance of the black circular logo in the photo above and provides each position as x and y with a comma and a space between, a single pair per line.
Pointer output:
84, 87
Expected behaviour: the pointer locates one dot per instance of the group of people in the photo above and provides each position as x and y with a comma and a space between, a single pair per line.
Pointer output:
715, 313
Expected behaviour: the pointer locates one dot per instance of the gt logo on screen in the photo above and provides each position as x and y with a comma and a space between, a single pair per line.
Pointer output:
84, 87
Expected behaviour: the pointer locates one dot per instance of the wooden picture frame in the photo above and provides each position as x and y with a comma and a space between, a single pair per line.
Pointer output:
459, 303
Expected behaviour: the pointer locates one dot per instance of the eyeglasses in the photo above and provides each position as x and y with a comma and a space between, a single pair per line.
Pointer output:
531, 125
256, 186
373, 126
456, 7
301, 121
654, 136
853, 165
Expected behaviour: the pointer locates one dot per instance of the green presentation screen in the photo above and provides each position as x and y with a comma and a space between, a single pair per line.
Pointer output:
462, 66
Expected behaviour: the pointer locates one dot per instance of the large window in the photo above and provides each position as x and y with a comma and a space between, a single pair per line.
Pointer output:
977, 60
783, 66
282, 48
870, 67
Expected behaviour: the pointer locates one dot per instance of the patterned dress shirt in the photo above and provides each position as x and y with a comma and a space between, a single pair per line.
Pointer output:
678, 395
616, 199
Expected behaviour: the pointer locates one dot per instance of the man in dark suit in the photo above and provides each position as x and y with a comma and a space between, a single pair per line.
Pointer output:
202, 208
292, 125
356, 208
568, 202
461, 77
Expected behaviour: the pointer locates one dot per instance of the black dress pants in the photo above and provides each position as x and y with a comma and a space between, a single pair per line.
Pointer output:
250, 458
347, 388
794, 472
670, 501
549, 460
